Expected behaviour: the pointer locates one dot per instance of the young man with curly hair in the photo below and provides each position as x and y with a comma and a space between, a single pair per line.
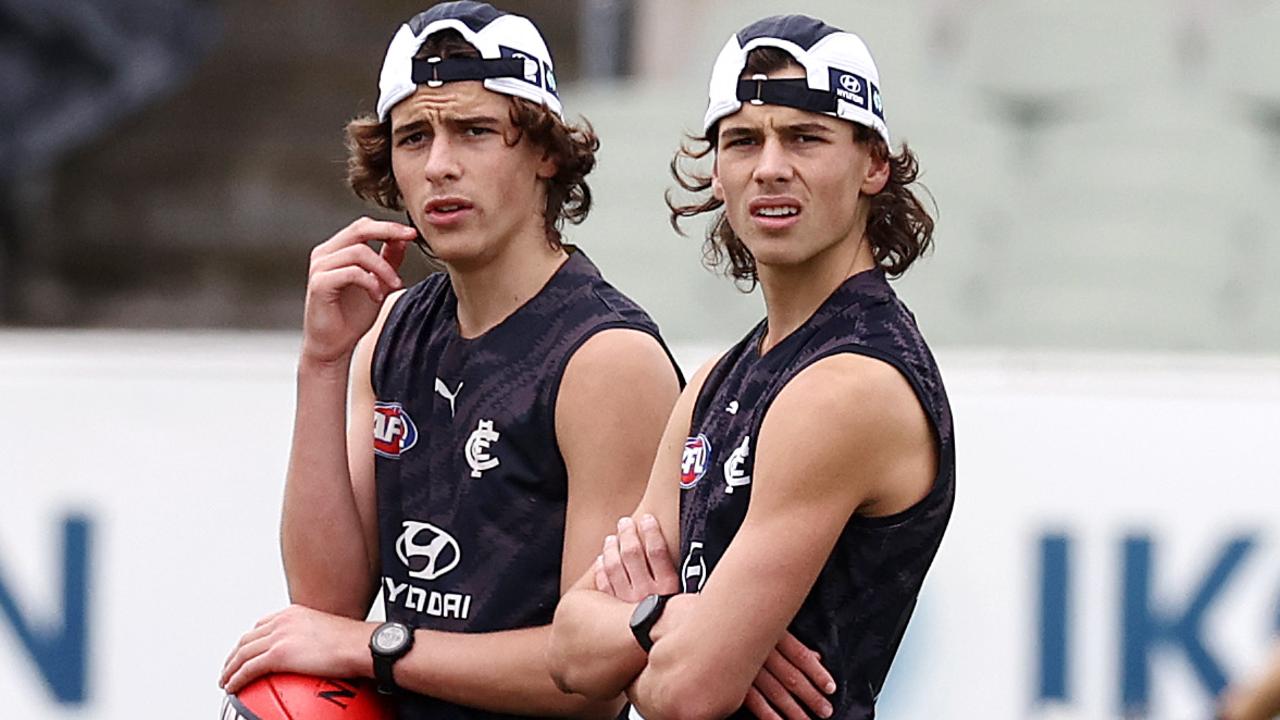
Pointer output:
502, 413
806, 477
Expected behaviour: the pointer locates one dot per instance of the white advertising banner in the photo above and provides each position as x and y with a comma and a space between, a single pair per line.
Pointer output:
1114, 551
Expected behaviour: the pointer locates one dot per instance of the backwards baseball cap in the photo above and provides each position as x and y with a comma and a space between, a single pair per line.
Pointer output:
840, 79
514, 59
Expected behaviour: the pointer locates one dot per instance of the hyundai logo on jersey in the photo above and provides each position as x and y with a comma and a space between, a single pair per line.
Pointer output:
696, 459
427, 550
393, 430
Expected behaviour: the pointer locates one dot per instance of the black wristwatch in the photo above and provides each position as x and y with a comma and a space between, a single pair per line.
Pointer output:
390, 642
645, 616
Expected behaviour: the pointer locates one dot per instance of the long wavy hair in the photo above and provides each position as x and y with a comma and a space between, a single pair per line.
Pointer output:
899, 228
572, 147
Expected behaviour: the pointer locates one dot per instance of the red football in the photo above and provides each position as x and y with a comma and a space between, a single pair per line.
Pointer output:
287, 696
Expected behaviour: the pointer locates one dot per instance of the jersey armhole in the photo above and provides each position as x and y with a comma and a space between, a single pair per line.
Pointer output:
945, 451
553, 401
377, 361
710, 383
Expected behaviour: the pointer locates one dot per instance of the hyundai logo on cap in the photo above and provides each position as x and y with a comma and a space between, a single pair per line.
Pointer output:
514, 59
841, 79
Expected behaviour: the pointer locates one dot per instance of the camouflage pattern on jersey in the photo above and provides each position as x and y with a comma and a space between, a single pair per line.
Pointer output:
470, 482
858, 608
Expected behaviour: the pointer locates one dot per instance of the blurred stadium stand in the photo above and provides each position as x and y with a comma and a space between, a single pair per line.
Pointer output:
69, 71
1102, 170
197, 209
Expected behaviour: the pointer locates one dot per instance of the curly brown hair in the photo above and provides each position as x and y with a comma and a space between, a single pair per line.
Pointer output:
899, 228
572, 147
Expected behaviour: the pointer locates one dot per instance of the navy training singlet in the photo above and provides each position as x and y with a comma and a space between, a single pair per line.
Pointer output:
470, 482
858, 608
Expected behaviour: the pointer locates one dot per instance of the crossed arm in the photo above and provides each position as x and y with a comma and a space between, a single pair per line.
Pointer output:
502, 671
329, 529
875, 455
636, 562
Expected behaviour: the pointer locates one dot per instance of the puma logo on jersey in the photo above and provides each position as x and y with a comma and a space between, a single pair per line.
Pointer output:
694, 462
734, 476
477, 450
393, 430
443, 390
732, 409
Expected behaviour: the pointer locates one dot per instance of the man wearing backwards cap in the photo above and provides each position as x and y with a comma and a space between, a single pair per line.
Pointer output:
516, 400
807, 474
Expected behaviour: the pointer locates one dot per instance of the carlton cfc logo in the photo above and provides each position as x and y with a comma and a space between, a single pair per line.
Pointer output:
693, 465
393, 430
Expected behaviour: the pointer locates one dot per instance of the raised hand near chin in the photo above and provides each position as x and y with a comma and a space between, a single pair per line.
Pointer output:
347, 282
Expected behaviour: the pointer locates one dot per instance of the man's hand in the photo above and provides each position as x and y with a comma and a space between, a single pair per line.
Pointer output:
347, 283
636, 563
301, 640
791, 672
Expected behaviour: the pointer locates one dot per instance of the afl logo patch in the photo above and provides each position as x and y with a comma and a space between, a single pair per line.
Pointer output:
694, 462
393, 430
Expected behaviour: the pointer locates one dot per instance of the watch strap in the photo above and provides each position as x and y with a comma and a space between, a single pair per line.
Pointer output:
641, 625
384, 662
382, 672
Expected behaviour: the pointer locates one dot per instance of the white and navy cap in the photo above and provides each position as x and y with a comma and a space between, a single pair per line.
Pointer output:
514, 59
840, 80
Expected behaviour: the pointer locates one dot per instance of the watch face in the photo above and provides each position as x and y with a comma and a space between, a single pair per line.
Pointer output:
390, 638
643, 609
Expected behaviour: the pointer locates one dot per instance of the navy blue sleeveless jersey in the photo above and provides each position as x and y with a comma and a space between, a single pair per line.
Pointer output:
857, 610
470, 482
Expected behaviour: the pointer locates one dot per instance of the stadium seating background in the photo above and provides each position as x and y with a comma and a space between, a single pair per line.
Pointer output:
1102, 298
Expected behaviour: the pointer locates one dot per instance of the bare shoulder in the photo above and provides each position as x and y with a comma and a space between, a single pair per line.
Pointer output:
618, 362
620, 350
858, 423
682, 414
365, 348
850, 394
700, 375
662, 495
616, 375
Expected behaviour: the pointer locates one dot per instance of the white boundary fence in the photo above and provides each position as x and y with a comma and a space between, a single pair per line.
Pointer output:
1115, 545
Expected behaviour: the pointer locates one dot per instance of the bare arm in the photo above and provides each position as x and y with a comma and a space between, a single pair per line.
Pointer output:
327, 531
617, 391
1259, 700
592, 650
500, 671
617, 394
876, 454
